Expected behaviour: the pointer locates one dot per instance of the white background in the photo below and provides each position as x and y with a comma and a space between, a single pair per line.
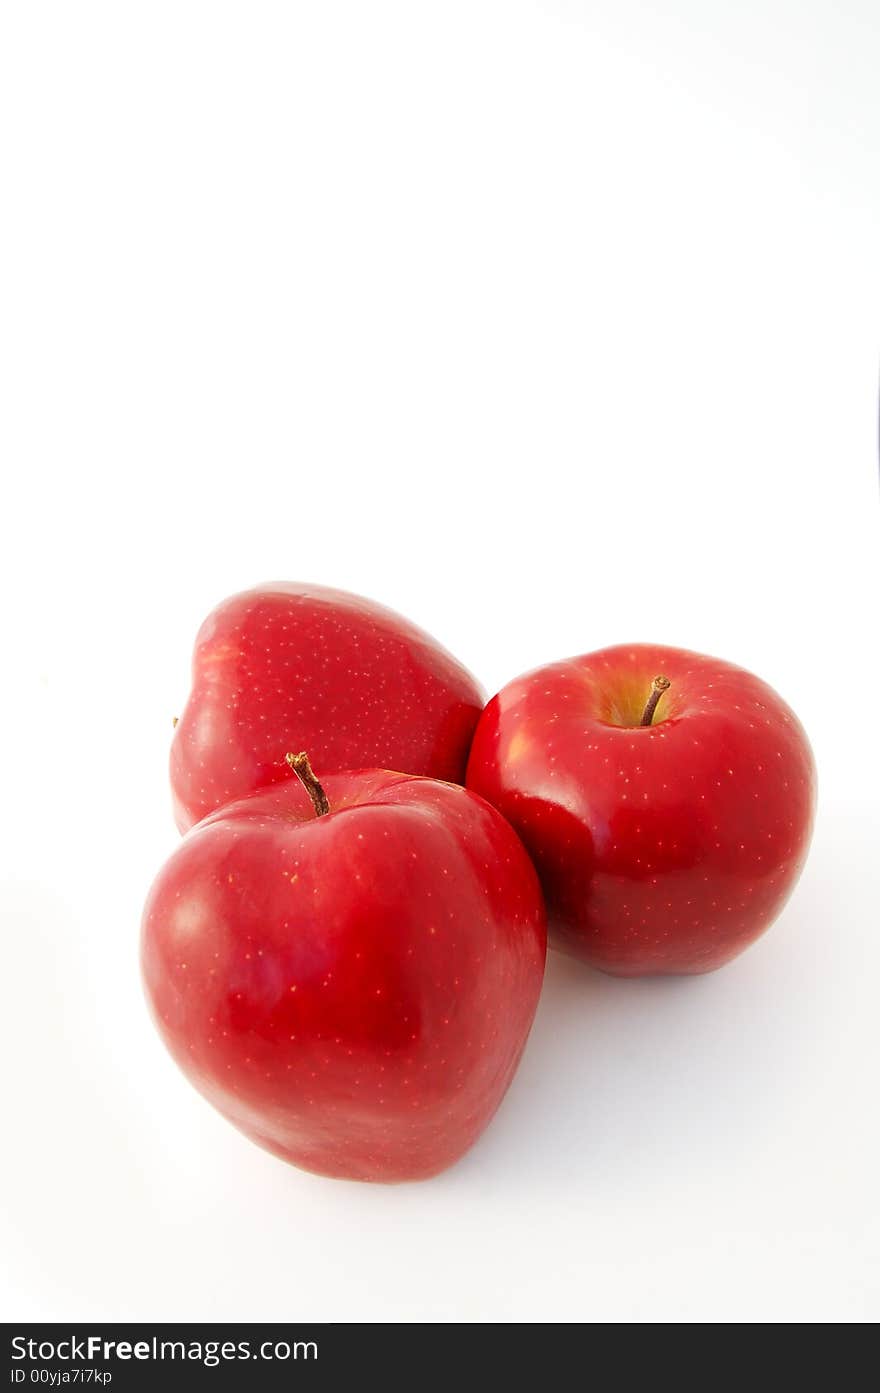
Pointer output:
551, 325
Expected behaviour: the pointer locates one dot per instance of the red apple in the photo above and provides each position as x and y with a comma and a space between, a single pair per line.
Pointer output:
288, 666
668, 819
350, 980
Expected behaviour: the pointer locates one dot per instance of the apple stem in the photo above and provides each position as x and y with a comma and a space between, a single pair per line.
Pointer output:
304, 772
658, 687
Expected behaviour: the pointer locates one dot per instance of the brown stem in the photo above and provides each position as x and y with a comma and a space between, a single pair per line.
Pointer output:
304, 772
658, 687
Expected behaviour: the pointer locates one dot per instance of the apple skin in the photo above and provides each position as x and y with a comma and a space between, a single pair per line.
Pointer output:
661, 849
294, 666
352, 991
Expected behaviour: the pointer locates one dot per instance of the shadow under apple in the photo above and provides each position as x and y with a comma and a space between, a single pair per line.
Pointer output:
624, 1076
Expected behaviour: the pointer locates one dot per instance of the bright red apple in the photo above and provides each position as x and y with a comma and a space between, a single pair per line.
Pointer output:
666, 799
349, 974
289, 666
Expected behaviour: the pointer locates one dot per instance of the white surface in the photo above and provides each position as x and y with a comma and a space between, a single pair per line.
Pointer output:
551, 325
